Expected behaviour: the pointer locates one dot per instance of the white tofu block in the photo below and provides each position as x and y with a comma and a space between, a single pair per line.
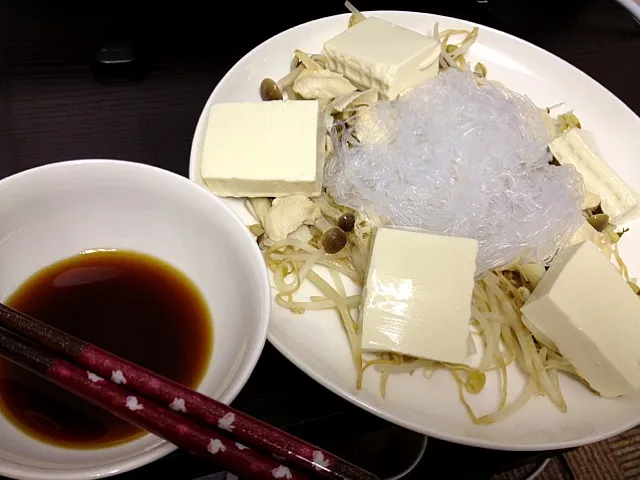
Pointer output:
587, 310
616, 197
264, 149
378, 54
417, 296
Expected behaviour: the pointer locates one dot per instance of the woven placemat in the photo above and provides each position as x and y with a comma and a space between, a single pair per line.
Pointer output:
615, 459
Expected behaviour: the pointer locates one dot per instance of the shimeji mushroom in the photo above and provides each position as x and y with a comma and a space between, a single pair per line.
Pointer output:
345, 220
270, 90
333, 238
599, 221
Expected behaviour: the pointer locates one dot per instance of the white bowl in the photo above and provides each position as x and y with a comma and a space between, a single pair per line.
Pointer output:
56, 211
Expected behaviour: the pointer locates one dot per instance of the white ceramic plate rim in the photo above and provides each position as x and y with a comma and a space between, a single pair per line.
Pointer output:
283, 346
163, 448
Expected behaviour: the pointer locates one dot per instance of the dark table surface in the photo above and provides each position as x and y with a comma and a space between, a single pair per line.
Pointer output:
52, 108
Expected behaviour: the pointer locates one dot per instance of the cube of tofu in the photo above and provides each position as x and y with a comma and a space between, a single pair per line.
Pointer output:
615, 196
417, 296
265, 149
587, 310
378, 54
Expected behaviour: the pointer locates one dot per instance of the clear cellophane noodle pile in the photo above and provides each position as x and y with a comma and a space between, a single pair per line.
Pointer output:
461, 158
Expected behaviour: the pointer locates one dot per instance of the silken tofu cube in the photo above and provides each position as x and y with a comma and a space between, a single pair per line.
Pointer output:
379, 54
417, 295
587, 311
264, 149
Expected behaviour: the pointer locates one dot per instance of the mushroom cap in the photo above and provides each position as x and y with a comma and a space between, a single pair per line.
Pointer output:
333, 240
346, 221
269, 90
599, 221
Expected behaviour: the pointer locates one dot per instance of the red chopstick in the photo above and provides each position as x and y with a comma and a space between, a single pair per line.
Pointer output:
144, 413
175, 401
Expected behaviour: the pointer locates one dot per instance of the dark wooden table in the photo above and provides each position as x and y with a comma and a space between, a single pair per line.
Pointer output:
52, 108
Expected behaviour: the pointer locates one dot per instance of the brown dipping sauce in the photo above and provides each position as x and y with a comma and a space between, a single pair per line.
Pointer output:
128, 303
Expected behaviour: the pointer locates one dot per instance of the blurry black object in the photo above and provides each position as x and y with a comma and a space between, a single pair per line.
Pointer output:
517, 16
120, 52
388, 451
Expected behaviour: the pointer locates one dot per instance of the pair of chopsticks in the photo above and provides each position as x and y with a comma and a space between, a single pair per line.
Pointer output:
237, 442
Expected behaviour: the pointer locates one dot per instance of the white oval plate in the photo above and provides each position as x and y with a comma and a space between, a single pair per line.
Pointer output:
316, 342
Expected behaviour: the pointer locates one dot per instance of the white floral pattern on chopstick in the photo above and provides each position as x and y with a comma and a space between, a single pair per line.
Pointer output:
178, 405
118, 377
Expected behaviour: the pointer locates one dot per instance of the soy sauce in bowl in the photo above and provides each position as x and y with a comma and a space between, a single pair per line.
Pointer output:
131, 304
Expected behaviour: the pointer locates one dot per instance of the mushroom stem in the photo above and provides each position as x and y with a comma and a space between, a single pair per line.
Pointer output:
327, 209
322, 224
